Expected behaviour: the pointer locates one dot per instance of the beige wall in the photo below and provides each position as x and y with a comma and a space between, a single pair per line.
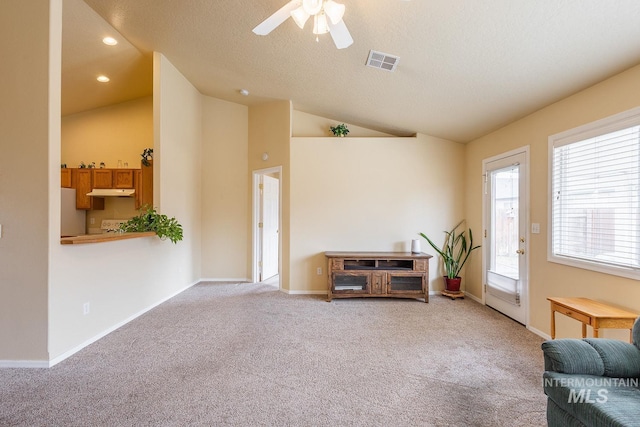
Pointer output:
28, 109
612, 96
117, 132
309, 125
369, 194
225, 206
270, 131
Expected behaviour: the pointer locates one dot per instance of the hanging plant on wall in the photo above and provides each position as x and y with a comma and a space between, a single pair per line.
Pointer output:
147, 154
339, 130
150, 220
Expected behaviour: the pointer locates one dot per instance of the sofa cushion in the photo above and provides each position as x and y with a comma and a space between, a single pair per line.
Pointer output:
594, 400
572, 356
636, 333
620, 359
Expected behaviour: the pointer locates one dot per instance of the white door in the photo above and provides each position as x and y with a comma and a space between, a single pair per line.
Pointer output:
269, 229
506, 243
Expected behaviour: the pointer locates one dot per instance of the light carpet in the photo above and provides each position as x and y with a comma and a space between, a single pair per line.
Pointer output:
248, 355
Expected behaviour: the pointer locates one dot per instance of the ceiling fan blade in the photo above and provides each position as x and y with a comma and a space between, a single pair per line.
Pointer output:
340, 35
272, 22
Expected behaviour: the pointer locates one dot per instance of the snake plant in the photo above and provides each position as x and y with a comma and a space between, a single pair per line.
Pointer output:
455, 251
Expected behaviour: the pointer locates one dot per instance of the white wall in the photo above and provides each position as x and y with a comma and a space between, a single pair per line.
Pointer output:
369, 194
178, 160
225, 183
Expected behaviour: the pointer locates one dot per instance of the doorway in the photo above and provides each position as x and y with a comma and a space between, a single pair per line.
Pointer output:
506, 266
266, 225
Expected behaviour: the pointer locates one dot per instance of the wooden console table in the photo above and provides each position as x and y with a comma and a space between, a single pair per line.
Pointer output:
377, 274
589, 312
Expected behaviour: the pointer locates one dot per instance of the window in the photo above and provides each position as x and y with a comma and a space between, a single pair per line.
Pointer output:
595, 196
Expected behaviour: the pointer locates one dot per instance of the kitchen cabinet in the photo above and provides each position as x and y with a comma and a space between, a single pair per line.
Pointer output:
65, 178
122, 178
86, 179
84, 184
143, 184
102, 178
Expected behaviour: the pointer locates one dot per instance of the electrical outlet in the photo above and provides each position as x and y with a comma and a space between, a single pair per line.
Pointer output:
319, 271
92, 221
86, 308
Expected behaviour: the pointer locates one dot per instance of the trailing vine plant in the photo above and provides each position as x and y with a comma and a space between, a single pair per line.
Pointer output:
150, 220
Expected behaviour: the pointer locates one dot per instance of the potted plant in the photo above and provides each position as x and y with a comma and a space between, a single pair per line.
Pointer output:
454, 253
147, 154
339, 130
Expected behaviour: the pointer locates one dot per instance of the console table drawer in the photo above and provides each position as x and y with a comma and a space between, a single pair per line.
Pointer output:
574, 315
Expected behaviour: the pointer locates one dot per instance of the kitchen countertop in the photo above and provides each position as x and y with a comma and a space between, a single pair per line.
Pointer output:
105, 237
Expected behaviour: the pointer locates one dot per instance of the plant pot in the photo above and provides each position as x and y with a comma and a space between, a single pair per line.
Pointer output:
452, 285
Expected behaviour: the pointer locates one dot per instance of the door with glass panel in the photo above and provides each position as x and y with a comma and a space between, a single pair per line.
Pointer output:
505, 243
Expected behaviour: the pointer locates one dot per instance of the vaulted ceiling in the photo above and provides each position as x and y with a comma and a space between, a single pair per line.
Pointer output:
467, 67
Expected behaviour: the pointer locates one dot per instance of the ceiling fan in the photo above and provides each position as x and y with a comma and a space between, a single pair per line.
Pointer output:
327, 18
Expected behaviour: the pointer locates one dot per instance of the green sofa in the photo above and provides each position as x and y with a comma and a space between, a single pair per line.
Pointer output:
592, 381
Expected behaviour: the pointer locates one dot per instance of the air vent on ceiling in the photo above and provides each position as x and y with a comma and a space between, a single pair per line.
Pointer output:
382, 61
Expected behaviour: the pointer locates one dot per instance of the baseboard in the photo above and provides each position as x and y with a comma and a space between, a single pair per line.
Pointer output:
294, 292
539, 332
90, 341
229, 279
24, 364
474, 298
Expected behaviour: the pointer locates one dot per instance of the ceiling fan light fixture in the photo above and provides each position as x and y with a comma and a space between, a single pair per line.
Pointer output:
300, 16
312, 7
320, 24
335, 11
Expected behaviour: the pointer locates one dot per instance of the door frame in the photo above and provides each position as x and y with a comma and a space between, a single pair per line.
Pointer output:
255, 220
486, 221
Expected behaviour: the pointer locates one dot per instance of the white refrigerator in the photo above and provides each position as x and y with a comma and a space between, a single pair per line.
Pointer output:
73, 222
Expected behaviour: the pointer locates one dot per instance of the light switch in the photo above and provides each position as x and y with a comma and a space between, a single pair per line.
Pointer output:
535, 228
0, 231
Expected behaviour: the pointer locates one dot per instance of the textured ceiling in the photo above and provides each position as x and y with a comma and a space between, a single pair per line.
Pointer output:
466, 67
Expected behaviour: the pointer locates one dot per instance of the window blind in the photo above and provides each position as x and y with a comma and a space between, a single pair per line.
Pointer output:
595, 206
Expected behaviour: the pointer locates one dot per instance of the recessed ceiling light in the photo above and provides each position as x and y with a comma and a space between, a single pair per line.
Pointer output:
103, 79
110, 41
244, 92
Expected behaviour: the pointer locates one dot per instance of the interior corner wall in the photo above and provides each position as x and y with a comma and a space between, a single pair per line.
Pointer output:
270, 132
178, 161
225, 206
31, 34
370, 194
612, 96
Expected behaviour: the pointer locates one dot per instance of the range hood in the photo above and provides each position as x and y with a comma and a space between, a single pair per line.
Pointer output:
111, 192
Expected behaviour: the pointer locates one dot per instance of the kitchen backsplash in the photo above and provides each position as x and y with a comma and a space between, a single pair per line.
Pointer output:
114, 208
